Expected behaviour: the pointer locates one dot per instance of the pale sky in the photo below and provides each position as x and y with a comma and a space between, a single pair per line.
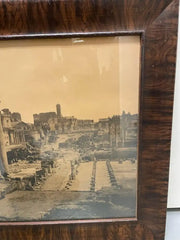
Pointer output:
91, 78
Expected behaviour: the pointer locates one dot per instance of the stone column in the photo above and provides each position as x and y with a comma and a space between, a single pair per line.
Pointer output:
3, 154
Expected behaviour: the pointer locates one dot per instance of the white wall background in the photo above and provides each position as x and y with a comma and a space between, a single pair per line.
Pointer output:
174, 177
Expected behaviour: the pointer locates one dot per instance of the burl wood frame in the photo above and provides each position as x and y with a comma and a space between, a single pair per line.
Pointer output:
156, 22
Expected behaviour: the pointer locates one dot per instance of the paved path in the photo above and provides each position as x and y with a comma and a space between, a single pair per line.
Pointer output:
60, 176
125, 173
102, 176
83, 178
57, 181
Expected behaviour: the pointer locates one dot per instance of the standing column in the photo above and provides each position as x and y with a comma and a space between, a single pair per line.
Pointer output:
110, 134
3, 154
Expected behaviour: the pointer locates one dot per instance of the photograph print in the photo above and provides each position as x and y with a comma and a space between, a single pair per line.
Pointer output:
69, 115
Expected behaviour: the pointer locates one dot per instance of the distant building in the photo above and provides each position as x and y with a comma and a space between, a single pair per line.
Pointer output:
103, 124
16, 117
52, 122
123, 130
45, 121
41, 118
6, 118
67, 124
12, 135
17, 132
85, 124
55, 122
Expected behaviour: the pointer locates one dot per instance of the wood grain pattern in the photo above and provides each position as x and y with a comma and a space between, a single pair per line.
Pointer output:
22, 17
159, 71
101, 231
156, 21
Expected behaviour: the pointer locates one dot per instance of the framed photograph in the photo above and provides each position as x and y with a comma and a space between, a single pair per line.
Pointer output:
86, 103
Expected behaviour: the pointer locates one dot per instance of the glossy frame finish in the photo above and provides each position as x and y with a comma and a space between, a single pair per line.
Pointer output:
156, 22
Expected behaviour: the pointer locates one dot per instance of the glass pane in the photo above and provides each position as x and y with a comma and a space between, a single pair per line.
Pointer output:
69, 128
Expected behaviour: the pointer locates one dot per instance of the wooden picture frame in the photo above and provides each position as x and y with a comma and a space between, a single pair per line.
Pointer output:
156, 22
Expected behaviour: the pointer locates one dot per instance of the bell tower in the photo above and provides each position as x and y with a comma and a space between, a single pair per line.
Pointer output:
58, 111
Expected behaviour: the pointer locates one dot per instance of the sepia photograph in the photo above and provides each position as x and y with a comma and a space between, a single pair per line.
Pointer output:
69, 117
